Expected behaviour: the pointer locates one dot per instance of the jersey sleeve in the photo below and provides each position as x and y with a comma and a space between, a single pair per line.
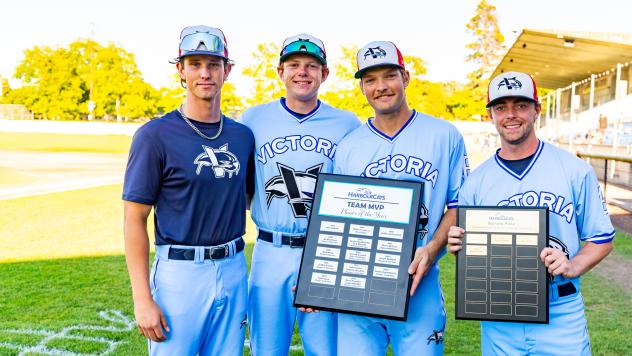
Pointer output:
592, 215
143, 174
466, 194
459, 170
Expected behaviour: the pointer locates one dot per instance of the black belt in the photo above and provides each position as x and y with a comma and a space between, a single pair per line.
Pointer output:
210, 253
566, 289
292, 241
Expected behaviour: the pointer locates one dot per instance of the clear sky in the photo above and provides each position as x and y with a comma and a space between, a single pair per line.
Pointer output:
432, 30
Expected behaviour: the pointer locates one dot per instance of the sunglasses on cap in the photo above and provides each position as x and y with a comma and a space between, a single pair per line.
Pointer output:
305, 47
211, 43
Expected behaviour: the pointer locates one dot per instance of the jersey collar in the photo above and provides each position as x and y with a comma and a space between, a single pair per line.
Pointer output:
298, 118
526, 170
387, 137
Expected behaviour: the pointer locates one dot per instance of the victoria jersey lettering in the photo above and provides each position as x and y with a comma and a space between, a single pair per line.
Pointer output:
196, 186
425, 149
554, 179
290, 152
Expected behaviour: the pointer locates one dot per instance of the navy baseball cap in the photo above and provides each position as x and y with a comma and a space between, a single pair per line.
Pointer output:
304, 44
202, 40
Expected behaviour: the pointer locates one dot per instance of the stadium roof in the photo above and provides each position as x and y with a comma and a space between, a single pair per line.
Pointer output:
556, 59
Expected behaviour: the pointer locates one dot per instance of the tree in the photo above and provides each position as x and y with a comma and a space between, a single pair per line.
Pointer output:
5, 89
59, 82
345, 93
267, 84
486, 52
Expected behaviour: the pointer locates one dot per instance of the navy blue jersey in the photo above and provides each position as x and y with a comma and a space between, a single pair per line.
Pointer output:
197, 186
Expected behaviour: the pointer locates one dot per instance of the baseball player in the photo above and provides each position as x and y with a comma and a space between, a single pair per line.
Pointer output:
401, 143
295, 139
528, 172
193, 166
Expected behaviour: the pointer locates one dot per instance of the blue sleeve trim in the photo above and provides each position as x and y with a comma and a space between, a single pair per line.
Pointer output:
601, 238
599, 242
604, 234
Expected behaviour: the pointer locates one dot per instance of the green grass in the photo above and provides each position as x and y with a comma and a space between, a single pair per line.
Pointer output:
61, 263
623, 244
64, 142
58, 293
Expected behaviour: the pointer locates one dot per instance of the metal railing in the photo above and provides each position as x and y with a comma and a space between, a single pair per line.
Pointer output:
606, 158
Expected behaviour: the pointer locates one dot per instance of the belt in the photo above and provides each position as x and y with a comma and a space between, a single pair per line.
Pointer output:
292, 241
566, 289
210, 253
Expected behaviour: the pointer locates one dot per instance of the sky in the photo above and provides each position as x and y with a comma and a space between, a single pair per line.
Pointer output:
432, 30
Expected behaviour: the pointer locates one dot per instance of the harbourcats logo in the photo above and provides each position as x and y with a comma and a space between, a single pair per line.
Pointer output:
221, 160
365, 193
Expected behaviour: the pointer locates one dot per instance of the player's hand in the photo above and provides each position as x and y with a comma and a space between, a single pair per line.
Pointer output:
455, 236
305, 310
557, 263
419, 266
150, 320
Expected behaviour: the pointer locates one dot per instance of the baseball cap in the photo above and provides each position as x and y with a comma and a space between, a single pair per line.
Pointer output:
202, 40
305, 44
509, 84
376, 54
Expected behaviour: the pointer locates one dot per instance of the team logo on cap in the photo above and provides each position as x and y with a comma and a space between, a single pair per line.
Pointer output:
510, 83
221, 160
375, 52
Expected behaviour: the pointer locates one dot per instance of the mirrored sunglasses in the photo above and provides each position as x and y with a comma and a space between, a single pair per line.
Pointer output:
303, 46
192, 42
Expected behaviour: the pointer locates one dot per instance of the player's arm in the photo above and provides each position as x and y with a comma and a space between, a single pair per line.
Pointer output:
588, 257
425, 255
149, 317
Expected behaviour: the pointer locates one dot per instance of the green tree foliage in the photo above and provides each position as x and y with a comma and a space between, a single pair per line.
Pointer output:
58, 81
6, 88
232, 104
485, 53
267, 85
345, 92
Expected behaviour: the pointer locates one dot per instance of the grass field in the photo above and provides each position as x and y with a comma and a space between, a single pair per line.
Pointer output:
64, 143
63, 278
67, 266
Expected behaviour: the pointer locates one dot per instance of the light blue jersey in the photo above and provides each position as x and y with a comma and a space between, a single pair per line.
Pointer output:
289, 154
568, 187
425, 149
290, 151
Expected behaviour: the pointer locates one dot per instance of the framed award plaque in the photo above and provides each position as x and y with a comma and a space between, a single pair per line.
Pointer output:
360, 241
499, 273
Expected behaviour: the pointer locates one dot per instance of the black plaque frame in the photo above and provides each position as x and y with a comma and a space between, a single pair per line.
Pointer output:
377, 293
487, 282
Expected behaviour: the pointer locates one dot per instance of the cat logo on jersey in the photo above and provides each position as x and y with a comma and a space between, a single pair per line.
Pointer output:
221, 160
436, 337
297, 186
423, 223
558, 244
